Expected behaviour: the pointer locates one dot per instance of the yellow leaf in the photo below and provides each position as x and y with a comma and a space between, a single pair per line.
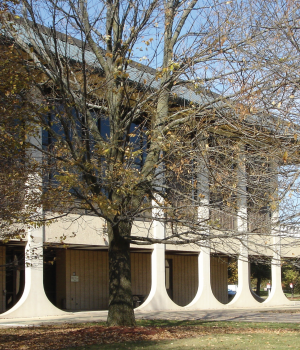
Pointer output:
285, 155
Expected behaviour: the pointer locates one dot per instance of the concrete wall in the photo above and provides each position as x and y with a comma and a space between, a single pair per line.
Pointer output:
76, 229
185, 277
219, 277
91, 230
88, 230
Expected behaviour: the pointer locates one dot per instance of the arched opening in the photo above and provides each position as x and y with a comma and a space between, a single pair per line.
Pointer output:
219, 277
260, 277
77, 279
181, 274
12, 275
49, 272
290, 275
140, 276
232, 280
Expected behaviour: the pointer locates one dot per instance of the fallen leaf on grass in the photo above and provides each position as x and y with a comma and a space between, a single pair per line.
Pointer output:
56, 337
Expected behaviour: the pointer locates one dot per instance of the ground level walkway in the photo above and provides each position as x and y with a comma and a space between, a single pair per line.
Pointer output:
283, 314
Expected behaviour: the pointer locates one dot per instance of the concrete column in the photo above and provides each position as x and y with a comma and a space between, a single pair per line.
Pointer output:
204, 298
277, 297
34, 302
243, 297
158, 298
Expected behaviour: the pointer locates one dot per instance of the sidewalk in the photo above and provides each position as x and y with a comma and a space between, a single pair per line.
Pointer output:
283, 314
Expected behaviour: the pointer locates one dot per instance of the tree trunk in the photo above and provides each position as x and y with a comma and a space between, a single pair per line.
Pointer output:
120, 306
258, 282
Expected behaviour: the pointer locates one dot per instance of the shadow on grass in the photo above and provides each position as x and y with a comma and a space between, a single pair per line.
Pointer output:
148, 345
216, 324
218, 342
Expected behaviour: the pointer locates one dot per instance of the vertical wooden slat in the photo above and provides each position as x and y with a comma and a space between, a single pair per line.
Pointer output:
101, 276
78, 284
86, 301
185, 277
219, 276
99, 286
61, 290
141, 273
95, 282
2, 277
102, 266
82, 263
70, 289
106, 281
72, 285
132, 262
91, 281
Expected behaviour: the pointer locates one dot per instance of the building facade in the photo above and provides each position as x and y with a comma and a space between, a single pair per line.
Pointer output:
63, 267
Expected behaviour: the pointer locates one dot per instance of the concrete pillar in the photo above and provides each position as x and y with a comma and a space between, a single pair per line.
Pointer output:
34, 302
158, 299
204, 298
243, 297
276, 297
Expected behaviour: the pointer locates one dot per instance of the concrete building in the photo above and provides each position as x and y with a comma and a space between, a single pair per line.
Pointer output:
65, 264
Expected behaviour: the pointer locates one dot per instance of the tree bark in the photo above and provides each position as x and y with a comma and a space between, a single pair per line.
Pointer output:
258, 286
120, 306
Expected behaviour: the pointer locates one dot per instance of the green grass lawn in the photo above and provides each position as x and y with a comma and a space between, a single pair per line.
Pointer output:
295, 296
224, 342
216, 335
155, 334
276, 326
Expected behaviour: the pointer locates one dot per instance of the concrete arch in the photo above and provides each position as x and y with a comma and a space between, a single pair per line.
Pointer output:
181, 276
158, 298
204, 298
34, 302
244, 296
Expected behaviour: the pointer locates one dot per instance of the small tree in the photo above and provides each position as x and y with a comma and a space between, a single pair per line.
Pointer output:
291, 275
260, 272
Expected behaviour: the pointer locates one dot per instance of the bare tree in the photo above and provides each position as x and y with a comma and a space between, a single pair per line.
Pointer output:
155, 104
